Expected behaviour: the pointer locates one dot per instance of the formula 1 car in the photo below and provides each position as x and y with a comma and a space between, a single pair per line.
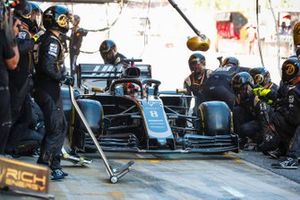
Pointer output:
132, 115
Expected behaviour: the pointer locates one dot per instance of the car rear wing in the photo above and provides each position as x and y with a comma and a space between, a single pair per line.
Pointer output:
105, 72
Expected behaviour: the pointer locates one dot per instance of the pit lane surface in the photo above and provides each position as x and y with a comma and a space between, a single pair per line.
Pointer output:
175, 177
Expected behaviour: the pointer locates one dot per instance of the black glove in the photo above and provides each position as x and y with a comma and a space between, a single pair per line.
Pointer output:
81, 32
196, 88
270, 140
298, 51
68, 80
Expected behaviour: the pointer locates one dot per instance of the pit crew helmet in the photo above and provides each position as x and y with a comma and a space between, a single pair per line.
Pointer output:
35, 21
23, 12
260, 75
108, 51
57, 18
76, 20
296, 34
230, 61
196, 58
290, 69
241, 82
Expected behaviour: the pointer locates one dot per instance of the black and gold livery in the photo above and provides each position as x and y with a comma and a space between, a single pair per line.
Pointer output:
23, 176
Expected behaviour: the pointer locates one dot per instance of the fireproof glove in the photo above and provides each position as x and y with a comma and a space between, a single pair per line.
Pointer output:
68, 80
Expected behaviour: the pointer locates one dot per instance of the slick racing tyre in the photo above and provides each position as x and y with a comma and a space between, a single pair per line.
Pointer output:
215, 118
93, 112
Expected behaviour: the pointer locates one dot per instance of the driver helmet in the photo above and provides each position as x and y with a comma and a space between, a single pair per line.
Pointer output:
131, 89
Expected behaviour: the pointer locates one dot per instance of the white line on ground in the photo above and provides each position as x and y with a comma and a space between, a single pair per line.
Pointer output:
233, 192
139, 155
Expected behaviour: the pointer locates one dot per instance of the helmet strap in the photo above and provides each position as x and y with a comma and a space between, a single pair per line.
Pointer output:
55, 32
268, 86
24, 25
295, 81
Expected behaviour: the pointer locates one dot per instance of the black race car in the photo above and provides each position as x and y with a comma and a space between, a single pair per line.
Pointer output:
132, 115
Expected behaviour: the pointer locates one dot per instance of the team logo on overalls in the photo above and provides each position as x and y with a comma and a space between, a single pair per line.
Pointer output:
291, 99
290, 69
258, 79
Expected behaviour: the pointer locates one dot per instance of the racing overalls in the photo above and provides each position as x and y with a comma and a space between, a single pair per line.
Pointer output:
217, 87
119, 59
47, 83
74, 46
6, 52
246, 119
251, 115
286, 118
194, 86
20, 85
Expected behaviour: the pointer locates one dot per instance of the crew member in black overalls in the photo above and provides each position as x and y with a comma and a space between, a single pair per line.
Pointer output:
264, 89
217, 87
286, 118
76, 37
194, 82
47, 82
9, 58
110, 55
249, 112
20, 83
